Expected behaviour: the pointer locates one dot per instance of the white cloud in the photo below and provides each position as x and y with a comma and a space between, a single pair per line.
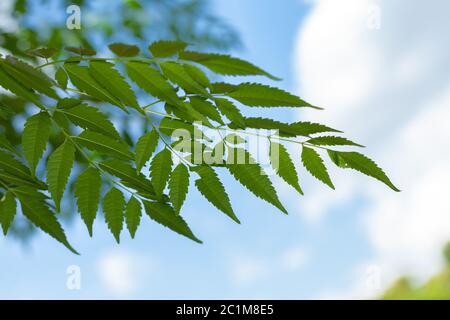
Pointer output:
294, 258
390, 88
121, 272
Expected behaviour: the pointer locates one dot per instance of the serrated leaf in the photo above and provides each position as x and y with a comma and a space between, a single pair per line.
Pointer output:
5, 144
82, 79
206, 108
165, 215
225, 64
16, 172
111, 79
42, 52
145, 147
28, 76
124, 50
61, 78
59, 166
81, 51
37, 211
259, 95
133, 215
160, 168
252, 176
34, 139
363, 164
113, 208
164, 48
228, 109
213, 190
308, 128
128, 174
283, 165
234, 139
222, 87
178, 186
332, 141
152, 82
87, 192
197, 74
177, 74
90, 118
314, 164
7, 211
168, 126
104, 144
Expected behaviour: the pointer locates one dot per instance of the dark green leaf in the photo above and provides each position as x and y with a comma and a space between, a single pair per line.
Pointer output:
145, 147
314, 164
34, 139
104, 144
7, 211
165, 48
160, 168
133, 215
124, 50
87, 192
113, 208
283, 165
178, 186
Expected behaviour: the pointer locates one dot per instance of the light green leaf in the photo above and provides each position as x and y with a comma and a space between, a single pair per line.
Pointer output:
234, 139
160, 168
164, 48
124, 50
178, 186
87, 192
177, 74
90, 118
34, 139
145, 147
252, 176
42, 52
206, 108
228, 109
332, 141
197, 74
133, 215
225, 64
314, 164
259, 95
7, 211
81, 51
104, 144
165, 215
283, 165
111, 79
213, 190
152, 82
37, 211
59, 166
363, 164
113, 208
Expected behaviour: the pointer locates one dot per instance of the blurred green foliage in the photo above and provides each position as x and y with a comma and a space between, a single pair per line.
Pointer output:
436, 288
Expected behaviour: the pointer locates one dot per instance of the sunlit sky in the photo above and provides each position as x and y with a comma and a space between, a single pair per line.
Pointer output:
386, 83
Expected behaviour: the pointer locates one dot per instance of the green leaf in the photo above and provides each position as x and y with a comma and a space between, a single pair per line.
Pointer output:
222, 87
145, 147
7, 211
104, 144
197, 74
228, 109
5, 144
165, 48
165, 215
308, 128
314, 164
42, 52
225, 64
206, 108
160, 168
133, 215
128, 174
61, 78
111, 79
91, 118
113, 208
168, 126
178, 75
152, 82
34, 139
332, 141
82, 79
259, 95
234, 139
81, 51
28, 76
59, 166
124, 50
37, 211
8, 82
283, 165
363, 164
213, 190
178, 186
87, 192
16, 172
252, 176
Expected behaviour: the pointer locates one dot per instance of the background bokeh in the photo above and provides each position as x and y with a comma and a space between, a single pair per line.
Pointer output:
379, 67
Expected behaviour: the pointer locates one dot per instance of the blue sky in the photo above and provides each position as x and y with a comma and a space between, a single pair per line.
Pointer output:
330, 241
